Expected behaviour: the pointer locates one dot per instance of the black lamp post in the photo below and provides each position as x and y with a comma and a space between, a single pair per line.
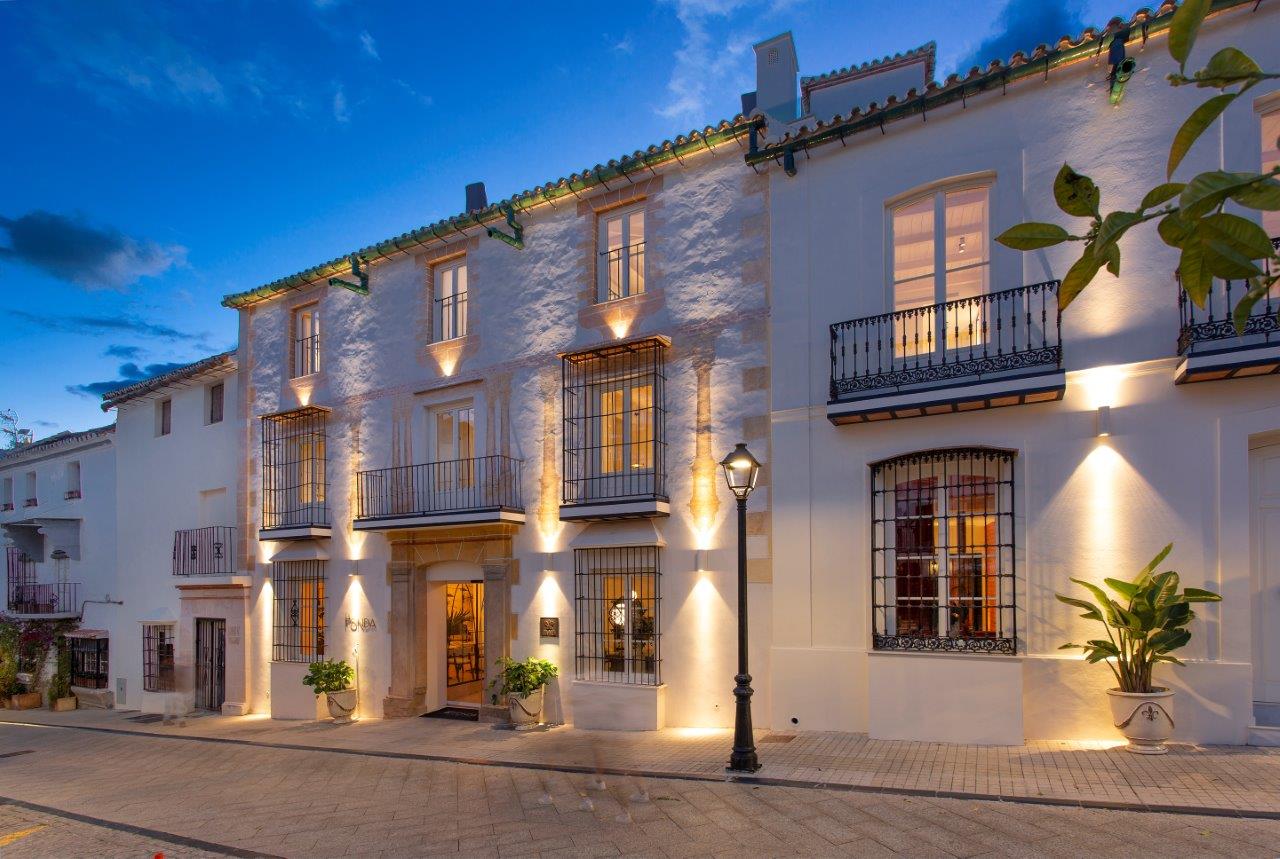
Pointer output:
741, 470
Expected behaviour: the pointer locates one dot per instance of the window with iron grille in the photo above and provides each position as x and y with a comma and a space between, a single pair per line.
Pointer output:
305, 336
450, 279
298, 622
157, 657
942, 551
294, 482
615, 427
618, 622
89, 662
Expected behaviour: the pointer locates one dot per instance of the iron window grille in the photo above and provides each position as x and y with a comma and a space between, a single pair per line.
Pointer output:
617, 612
157, 657
450, 281
294, 483
942, 551
304, 358
615, 422
89, 662
20, 575
298, 627
204, 551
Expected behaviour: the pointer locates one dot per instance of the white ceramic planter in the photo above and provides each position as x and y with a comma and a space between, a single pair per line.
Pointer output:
1145, 718
341, 705
526, 710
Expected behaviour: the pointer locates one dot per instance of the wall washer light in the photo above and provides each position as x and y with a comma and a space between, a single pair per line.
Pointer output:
1104, 422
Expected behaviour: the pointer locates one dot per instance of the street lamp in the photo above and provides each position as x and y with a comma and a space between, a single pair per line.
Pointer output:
741, 470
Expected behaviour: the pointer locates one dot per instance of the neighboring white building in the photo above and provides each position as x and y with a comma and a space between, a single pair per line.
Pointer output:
511, 447
926, 529
179, 450
57, 520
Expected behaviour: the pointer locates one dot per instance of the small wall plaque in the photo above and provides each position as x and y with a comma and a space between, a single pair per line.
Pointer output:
549, 627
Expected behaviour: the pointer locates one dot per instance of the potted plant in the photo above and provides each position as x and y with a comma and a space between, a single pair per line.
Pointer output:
332, 678
60, 697
1144, 626
523, 683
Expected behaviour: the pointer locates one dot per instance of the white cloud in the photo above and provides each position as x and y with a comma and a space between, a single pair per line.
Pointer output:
341, 111
370, 46
420, 98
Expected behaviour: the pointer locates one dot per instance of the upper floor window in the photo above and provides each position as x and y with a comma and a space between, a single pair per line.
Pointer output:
306, 341
30, 500
164, 417
217, 392
450, 280
294, 480
6, 494
621, 263
942, 545
615, 422
73, 480
1271, 159
940, 254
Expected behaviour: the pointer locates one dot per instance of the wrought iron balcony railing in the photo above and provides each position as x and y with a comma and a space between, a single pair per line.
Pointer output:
984, 336
1212, 329
204, 551
56, 598
479, 483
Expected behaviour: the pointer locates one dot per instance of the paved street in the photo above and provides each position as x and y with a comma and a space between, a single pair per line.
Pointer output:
189, 798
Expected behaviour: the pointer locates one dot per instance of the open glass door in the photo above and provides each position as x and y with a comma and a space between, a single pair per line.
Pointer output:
464, 662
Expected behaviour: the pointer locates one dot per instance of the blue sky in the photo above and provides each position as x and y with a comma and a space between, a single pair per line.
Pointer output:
158, 155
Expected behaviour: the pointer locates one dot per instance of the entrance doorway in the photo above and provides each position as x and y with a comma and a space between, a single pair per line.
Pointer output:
464, 630
1264, 486
211, 663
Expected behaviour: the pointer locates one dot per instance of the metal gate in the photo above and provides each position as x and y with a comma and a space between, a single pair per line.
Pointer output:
211, 663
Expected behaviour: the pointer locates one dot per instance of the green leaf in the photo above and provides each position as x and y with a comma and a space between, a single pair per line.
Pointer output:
1109, 609
1208, 190
1125, 589
1193, 274
1078, 277
1240, 233
1263, 194
1184, 27
1228, 66
1113, 260
1195, 125
1174, 231
1155, 562
1032, 236
1201, 595
1223, 260
1258, 288
1075, 193
1114, 226
1162, 194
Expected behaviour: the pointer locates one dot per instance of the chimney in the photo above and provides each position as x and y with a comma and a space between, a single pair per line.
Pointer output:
776, 71
477, 199
748, 103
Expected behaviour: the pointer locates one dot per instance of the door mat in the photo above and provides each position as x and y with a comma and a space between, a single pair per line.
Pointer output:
458, 714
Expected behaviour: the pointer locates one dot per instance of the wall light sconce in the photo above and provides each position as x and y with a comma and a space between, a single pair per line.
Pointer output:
548, 561
700, 558
355, 568
1103, 427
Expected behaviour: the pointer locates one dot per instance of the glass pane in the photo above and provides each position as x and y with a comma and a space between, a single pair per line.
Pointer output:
913, 241
642, 427
1270, 158
613, 234
446, 444
614, 624
966, 213
611, 431
635, 253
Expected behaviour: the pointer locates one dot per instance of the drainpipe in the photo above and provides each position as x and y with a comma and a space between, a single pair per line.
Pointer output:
107, 601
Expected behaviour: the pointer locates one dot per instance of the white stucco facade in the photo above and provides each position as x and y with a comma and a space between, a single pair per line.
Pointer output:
1174, 467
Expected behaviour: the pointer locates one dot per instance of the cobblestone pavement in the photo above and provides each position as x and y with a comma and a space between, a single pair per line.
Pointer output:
288, 802
25, 833
1225, 779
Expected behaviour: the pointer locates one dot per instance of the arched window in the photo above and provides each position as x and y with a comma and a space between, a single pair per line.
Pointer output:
942, 547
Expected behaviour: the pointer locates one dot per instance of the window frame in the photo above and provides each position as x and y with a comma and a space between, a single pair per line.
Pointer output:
295, 482
640, 569
304, 348
458, 314
6, 494
938, 328
631, 255
74, 481
949, 540
215, 403
32, 498
164, 417
90, 661
295, 586
159, 643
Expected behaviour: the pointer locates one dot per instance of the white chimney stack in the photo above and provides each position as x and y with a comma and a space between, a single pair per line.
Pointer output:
776, 74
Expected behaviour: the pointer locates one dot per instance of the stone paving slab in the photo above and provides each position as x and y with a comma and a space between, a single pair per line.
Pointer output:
1234, 780
288, 802
25, 832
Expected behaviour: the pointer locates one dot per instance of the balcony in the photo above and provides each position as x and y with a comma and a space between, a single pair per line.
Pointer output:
204, 551
998, 349
1208, 344
457, 492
